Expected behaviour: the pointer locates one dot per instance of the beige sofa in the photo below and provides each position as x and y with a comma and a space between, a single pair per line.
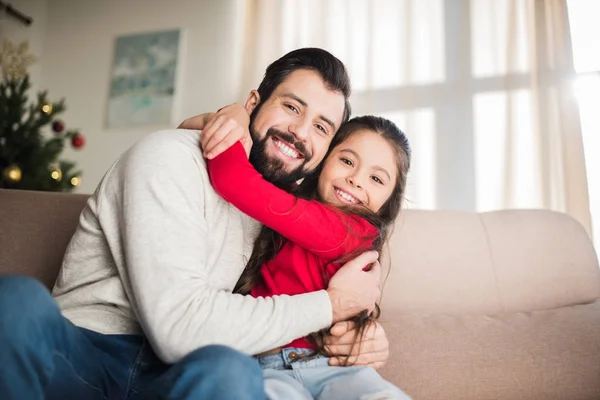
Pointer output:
500, 305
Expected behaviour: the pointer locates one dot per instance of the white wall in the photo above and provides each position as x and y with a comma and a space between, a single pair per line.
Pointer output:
77, 56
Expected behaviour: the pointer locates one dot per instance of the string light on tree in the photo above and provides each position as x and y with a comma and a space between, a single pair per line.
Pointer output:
75, 181
46, 108
12, 174
56, 173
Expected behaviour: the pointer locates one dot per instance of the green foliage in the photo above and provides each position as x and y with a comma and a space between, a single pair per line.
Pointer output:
22, 143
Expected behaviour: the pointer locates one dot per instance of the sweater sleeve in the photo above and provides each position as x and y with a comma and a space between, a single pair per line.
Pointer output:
318, 228
161, 210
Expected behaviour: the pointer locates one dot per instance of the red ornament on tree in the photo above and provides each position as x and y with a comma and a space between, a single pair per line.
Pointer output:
58, 126
78, 140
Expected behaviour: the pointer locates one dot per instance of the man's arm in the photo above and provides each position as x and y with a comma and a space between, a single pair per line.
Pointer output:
161, 205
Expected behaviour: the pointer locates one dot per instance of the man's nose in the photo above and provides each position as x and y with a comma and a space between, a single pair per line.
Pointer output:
300, 130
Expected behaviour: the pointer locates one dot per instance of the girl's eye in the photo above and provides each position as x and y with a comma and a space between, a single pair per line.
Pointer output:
292, 108
376, 179
346, 161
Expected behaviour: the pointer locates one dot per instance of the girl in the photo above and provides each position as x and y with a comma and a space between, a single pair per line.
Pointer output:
345, 207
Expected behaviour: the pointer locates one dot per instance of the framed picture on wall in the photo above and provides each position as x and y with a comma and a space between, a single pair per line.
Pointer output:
142, 80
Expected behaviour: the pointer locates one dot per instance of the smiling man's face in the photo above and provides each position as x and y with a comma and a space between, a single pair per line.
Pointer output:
293, 128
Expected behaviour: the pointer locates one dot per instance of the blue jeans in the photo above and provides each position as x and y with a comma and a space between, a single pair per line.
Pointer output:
311, 377
44, 356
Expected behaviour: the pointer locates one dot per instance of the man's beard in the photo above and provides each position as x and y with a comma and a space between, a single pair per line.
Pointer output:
273, 169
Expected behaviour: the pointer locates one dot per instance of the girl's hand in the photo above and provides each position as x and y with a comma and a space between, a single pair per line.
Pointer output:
229, 125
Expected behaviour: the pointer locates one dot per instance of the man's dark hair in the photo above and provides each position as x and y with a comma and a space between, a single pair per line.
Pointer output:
332, 71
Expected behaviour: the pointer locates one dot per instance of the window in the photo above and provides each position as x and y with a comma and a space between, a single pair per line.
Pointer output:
472, 83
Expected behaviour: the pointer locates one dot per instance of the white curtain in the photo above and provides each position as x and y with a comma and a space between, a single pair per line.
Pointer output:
482, 88
529, 148
585, 31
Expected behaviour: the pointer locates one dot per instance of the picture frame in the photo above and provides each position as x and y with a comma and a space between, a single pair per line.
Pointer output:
143, 79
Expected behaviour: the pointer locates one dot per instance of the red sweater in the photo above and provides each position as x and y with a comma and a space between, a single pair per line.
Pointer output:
316, 233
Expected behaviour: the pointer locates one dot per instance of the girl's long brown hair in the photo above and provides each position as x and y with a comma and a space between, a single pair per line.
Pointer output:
270, 242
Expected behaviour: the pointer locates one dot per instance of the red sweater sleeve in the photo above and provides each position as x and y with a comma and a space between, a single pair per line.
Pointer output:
316, 227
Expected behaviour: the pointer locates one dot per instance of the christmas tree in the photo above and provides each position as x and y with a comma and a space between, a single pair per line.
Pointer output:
29, 158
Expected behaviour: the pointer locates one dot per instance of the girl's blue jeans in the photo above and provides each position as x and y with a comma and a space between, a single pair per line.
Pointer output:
290, 377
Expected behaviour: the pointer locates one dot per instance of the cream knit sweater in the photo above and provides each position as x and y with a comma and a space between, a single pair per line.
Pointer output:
158, 251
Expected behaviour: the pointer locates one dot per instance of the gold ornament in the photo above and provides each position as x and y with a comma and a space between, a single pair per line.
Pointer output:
46, 108
56, 174
75, 181
14, 60
12, 174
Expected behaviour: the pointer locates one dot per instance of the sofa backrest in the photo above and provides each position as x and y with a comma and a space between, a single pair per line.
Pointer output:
464, 263
35, 229
456, 263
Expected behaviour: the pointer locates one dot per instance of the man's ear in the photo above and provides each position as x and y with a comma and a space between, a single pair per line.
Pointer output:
252, 101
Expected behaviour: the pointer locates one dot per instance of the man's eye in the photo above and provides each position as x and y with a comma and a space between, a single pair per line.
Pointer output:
321, 128
346, 161
291, 107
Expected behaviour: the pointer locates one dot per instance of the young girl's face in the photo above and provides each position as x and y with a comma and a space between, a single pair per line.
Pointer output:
361, 171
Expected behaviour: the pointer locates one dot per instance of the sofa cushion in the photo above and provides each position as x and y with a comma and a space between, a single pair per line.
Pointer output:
549, 355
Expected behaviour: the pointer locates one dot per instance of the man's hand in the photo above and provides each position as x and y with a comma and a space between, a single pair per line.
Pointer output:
355, 287
373, 350
226, 127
